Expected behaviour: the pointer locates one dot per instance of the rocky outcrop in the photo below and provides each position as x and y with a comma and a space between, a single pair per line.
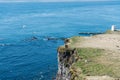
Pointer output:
90, 58
66, 57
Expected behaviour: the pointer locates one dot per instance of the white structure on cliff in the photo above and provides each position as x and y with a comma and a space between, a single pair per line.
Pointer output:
113, 28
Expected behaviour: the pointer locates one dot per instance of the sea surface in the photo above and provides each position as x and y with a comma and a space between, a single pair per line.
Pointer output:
30, 34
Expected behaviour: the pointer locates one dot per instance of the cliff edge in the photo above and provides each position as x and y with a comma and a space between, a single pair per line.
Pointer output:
90, 58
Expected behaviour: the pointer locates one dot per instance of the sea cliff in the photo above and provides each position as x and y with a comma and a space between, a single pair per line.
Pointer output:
90, 58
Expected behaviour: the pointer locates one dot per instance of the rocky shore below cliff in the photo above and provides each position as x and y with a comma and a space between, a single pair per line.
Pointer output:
90, 58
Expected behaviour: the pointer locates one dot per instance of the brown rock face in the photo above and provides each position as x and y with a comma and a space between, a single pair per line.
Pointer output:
66, 57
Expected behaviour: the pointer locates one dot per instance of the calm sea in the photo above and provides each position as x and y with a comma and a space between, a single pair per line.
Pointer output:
25, 51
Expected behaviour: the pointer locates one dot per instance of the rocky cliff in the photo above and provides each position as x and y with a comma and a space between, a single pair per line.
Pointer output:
66, 57
90, 58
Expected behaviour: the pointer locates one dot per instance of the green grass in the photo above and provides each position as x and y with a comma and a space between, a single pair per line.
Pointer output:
88, 53
112, 32
92, 67
108, 32
75, 39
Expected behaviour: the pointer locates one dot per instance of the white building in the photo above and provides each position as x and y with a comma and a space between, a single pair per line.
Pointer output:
113, 28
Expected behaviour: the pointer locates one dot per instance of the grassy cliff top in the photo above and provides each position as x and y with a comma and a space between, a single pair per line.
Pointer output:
99, 55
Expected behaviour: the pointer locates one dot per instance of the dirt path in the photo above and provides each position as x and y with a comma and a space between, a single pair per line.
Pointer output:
104, 41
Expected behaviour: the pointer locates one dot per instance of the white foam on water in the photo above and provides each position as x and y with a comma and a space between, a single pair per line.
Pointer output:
25, 16
2, 44
7, 44
24, 26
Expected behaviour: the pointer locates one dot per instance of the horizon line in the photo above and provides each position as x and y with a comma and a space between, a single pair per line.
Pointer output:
55, 1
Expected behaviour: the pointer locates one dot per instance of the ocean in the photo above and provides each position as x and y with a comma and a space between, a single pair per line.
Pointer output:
31, 32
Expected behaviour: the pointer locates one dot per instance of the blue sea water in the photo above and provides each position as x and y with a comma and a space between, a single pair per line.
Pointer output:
25, 52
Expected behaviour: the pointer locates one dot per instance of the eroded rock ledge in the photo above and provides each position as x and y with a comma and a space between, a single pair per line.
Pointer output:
90, 58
